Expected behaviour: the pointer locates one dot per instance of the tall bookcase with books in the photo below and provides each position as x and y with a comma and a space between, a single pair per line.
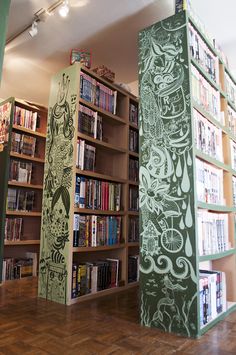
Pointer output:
187, 179
88, 229
22, 149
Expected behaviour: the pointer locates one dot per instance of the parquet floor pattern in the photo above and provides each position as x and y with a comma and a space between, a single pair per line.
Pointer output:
109, 325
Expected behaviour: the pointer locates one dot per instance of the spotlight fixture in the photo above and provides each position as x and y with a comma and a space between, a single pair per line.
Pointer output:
64, 9
34, 29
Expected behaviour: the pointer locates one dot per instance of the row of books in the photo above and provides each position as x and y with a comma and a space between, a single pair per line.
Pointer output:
90, 122
25, 118
94, 277
133, 113
97, 93
133, 198
17, 268
233, 154
203, 55
94, 231
133, 268
206, 95
133, 169
212, 289
208, 138
20, 200
23, 144
133, 140
209, 183
234, 190
213, 235
133, 235
230, 89
86, 155
20, 171
232, 120
96, 194
13, 229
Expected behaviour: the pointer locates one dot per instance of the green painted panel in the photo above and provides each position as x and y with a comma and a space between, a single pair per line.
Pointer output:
58, 193
6, 117
4, 10
168, 273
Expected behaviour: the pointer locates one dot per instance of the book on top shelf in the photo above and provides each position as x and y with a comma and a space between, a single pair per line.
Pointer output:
25, 118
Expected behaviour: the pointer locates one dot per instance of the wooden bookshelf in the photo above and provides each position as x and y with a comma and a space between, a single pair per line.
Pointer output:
111, 168
170, 245
22, 226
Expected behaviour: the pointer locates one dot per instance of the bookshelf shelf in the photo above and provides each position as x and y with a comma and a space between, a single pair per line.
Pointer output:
22, 242
101, 144
23, 213
134, 126
211, 160
133, 154
104, 183
27, 157
217, 256
133, 213
231, 306
99, 248
92, 174
98, 212
25, 185
29, 131
112, 118
204, 74
215, 207
133, 244
135, 183
176, 173
21, 187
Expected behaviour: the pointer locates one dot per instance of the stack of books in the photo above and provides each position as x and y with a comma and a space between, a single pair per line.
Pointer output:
232, 120
86, 155
212, 288
230, 89
133, 114
203, 55
96, 194
94, 277
133, 140
133, 235
133, 268
206, 95
213, 234
20, 171
233, 154
13, 229
25, 118
20, 200
94, 231
90, 122
23, 144
133, 199
208, 138
17, 268
97, 93
209, 183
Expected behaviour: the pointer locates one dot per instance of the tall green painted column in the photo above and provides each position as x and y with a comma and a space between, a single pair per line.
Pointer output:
4, 10
168, 272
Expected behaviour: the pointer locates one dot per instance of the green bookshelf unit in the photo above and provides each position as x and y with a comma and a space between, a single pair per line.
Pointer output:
186, 182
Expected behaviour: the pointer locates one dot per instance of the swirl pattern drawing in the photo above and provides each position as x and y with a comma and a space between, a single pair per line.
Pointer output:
56, 217
168, 274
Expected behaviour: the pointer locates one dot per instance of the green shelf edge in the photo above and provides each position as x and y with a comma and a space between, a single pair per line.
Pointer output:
217, 320
217, 256
208, 116
215, 207
211, 160
204, 73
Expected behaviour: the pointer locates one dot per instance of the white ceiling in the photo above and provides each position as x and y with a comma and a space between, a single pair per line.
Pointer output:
107, 27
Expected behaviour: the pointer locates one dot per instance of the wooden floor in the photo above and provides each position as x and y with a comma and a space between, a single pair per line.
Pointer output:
29, 325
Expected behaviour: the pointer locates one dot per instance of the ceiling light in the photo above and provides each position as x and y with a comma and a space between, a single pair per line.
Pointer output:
64, 9
34, 29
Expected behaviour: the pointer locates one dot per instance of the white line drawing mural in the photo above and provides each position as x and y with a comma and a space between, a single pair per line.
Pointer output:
168, 266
